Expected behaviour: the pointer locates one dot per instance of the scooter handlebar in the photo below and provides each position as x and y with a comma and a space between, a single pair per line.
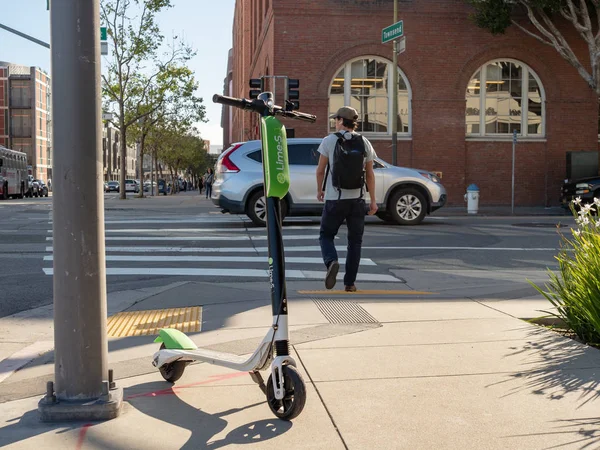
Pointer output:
259, 106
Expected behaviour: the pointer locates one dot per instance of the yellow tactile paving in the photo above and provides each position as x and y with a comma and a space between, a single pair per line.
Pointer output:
139, 323
366, 292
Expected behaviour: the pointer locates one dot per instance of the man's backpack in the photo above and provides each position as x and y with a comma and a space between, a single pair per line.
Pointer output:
348, 163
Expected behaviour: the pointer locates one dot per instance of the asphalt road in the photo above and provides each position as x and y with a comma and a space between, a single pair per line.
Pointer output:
152, 242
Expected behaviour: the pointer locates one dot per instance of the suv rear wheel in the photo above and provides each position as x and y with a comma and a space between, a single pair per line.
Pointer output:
408, 206
257, 209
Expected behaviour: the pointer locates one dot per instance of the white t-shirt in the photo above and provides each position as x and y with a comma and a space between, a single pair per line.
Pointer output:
326, 149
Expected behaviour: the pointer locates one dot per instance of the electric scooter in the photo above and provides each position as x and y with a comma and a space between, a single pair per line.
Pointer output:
285, 389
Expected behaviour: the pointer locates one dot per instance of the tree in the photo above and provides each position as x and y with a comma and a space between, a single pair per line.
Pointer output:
547, 17
137, 74
172, 98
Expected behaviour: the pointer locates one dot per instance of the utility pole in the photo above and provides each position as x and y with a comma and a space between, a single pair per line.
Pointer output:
395, 94
83, 387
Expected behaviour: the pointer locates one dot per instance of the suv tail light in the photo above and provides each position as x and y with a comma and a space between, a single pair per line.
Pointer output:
225, 165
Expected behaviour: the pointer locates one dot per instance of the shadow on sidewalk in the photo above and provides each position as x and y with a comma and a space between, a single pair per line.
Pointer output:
553, 367
160, 401
165, 405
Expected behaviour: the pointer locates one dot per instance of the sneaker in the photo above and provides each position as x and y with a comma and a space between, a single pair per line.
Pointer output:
350, 288
332, 272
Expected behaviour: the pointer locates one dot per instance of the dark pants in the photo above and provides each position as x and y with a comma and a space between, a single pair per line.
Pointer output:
334, 214
208, 190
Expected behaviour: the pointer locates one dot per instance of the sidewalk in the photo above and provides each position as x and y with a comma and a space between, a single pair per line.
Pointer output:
424, 373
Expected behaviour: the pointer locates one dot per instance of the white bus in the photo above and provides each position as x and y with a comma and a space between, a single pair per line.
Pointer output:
13, 173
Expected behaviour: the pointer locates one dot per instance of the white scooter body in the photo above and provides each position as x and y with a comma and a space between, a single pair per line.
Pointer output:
257, 361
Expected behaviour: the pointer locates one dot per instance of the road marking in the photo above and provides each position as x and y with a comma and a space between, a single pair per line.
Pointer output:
507, 249
232, 273
240, 259
23, 357
298, 249
141, 249
203, 238
367, 292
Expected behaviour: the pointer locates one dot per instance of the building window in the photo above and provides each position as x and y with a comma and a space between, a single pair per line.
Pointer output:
512, 99
366, 85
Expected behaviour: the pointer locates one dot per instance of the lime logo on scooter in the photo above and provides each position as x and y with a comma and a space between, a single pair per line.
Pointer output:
277, 171
271, 273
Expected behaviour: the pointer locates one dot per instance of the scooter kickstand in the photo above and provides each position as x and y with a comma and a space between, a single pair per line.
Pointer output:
258, 379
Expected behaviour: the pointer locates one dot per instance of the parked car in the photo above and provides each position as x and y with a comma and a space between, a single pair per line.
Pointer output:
40, 188
131, 186
32, 188
586, 188
112, 186
404, 196
147, 185
162, 187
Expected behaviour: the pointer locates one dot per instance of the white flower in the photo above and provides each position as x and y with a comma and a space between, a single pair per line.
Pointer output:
585, 209
585, 221
577, 233
577, 201
597, 201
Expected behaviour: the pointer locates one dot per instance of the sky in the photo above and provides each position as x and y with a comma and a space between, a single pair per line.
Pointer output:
205, 25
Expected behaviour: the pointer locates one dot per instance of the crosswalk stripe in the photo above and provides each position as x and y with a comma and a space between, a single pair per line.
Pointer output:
230, 273
141, 249
240, 259
202, 238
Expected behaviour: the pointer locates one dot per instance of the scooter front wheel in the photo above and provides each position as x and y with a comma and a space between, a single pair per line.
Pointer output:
292, 403
173, 371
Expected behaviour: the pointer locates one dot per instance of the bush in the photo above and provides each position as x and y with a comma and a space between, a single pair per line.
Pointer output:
575, 290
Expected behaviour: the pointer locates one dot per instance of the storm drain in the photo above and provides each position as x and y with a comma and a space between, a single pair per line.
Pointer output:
339, 311
141, 323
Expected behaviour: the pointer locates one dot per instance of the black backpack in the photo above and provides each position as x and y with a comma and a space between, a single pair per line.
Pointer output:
348, 164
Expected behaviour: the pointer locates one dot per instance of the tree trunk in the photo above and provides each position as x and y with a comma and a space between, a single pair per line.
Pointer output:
123, 144
142, 145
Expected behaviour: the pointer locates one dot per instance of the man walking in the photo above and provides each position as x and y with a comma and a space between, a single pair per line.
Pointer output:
345, 164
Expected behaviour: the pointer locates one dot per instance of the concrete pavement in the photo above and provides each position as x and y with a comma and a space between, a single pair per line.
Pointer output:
429, 371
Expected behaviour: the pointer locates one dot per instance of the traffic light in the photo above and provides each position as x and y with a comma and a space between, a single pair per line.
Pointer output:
257, 86
292, 93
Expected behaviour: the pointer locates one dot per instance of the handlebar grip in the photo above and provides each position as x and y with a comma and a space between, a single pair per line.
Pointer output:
305, 117
230, 101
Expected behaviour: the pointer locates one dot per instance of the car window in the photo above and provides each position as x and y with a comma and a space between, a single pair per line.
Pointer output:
298, 154
303, 154
256, 155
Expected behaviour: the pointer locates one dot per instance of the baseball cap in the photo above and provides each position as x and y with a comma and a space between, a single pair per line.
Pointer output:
345, 112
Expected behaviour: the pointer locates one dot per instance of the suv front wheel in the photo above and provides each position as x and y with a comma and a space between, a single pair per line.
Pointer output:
408, 206
257, 209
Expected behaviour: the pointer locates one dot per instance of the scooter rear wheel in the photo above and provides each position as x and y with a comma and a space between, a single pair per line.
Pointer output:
292, 403
173, 371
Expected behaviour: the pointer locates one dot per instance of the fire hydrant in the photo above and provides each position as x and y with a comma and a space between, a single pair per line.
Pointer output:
472, 199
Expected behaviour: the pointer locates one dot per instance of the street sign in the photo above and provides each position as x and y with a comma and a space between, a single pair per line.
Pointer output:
107, 116
392, 32
103, 48
401, 44
103, 33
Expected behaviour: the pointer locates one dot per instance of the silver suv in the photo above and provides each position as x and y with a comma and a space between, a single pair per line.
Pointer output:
403, 195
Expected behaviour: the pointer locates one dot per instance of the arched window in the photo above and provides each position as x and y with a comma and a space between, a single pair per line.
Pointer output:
503, 96
366, 85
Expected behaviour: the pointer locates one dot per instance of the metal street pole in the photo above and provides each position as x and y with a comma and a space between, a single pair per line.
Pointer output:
25, 36
395, 94
83, 388
514, 144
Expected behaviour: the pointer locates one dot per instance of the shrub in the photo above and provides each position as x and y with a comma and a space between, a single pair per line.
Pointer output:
575, 290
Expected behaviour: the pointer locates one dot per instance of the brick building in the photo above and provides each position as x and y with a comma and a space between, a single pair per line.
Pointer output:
446, 122
25, 117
